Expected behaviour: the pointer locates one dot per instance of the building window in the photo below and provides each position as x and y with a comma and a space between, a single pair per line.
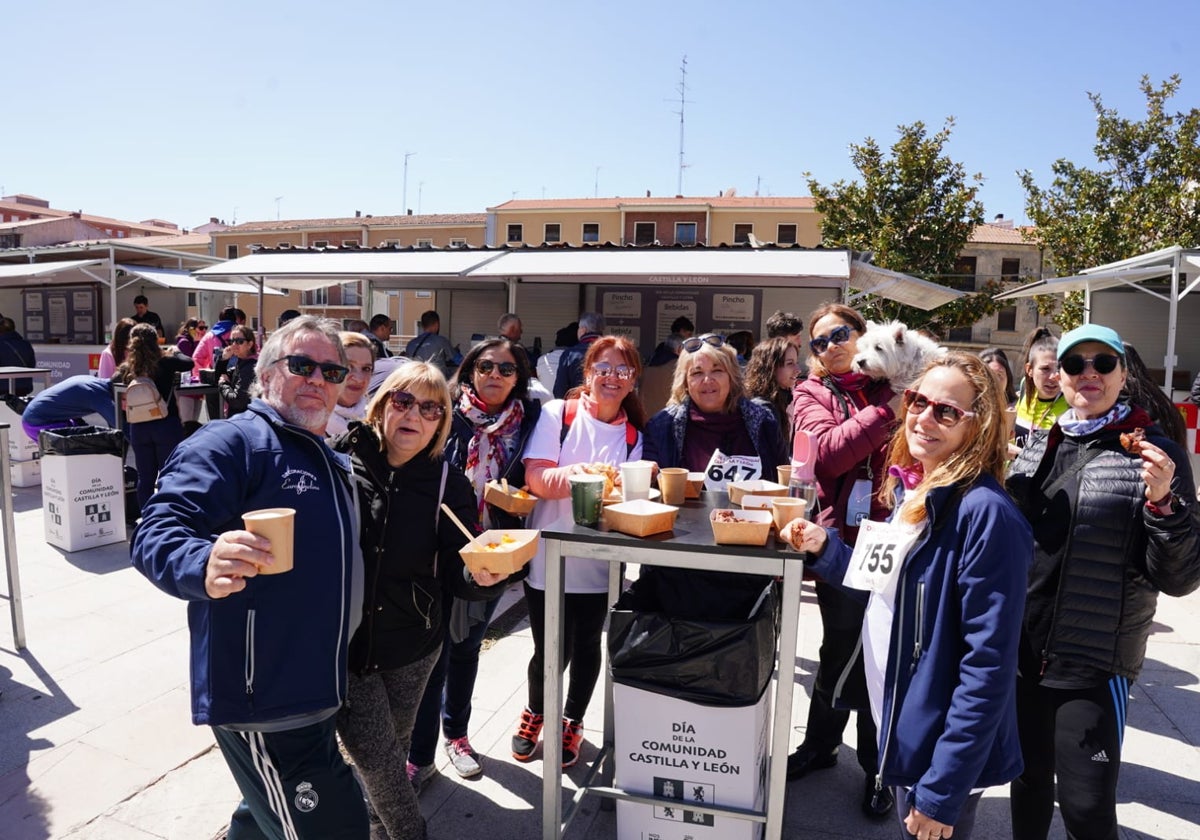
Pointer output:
644, 233
349, 243
515, 233
351, 296
741, 233
320, 243
391, 243
685, 233
10, 240
1010, 270
963, 277
231, 252
591, 231
425, 243
458, 242
786, 235
315, 297
552, 232
255, 246
284, 246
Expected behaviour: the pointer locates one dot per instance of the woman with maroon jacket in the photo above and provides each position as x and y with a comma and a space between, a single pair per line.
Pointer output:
851, 419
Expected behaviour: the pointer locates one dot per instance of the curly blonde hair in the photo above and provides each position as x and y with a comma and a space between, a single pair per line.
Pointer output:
722, 357
984, 449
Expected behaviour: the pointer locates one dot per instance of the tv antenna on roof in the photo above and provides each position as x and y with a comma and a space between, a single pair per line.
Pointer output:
682, 102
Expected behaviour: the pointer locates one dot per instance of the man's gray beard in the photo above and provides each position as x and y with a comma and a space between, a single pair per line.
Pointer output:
305, 418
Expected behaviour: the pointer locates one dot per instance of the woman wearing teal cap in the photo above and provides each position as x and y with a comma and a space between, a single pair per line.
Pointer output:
1114, 523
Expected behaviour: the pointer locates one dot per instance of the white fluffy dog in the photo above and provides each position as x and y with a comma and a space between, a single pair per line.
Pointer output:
893, 352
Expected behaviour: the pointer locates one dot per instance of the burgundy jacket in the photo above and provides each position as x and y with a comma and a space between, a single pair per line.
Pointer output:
846, 436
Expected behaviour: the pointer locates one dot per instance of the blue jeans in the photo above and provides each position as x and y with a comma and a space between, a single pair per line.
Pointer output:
448, 693
152, 442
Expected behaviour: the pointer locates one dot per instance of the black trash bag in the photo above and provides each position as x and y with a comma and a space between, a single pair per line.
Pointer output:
713, 663
82, 440
17, 404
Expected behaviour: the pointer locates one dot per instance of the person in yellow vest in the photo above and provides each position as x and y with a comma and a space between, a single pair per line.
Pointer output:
1041, 400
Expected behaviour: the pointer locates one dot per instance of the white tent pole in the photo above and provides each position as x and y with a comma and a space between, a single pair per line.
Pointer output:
112, 291
511, 283
1173, 314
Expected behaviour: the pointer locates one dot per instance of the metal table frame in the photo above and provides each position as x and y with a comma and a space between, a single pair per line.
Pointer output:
621, 549
15, 609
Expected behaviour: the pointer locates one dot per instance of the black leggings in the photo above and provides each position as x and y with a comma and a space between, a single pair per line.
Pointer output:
1076, 735
583, 622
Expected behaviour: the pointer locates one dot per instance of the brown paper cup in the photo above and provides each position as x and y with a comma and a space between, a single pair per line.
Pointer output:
785, 509
784, 474
672, 481
277, 525
1010, 422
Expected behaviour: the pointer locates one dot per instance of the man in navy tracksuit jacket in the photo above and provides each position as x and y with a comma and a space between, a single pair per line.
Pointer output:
268, 653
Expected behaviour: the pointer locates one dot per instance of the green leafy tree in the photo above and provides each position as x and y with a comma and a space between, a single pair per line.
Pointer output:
1141, 196
914, 210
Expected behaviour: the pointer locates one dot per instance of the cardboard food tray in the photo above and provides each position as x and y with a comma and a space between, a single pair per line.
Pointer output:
509, 558
753, 529
757, 487
695, 484
640, 518
493, 494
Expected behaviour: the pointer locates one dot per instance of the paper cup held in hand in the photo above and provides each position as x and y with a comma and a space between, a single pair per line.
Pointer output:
786, 509
277, 525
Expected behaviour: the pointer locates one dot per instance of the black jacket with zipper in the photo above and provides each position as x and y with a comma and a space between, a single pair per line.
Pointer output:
409, 565
1101, 555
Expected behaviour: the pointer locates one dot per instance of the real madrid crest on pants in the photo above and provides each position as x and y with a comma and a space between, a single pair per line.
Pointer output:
306, 797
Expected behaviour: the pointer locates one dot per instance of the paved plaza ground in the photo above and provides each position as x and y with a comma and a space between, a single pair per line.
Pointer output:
96, 741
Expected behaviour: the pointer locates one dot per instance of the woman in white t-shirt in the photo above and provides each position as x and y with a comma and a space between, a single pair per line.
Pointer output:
944, 584
599, 422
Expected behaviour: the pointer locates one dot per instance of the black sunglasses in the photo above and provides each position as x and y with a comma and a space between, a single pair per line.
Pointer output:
200, 327
946, 414
838, 335
403, 402
240, 341
1076, 364
486, 366
303, 366
696, 342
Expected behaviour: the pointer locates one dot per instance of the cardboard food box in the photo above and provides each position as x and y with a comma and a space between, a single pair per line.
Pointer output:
516, 501
513, 548
692, 754
752, 527
757, 487
83, 500
640, 518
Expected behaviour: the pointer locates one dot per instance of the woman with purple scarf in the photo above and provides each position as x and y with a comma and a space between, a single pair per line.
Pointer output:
851, 419
493, 419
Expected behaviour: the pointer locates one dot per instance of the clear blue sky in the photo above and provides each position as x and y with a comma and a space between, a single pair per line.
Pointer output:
184, 111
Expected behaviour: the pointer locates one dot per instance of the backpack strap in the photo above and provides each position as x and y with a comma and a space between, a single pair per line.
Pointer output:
571, 408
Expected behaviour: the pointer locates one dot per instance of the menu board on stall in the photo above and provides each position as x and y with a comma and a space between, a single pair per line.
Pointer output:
645, 313
62, 314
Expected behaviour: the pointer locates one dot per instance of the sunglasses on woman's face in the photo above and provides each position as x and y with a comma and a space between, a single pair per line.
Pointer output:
693, 344
403, 402
201, 328
603, 369
944, 413
239, 341
838, 335
486, 366
1076, 364
304, 366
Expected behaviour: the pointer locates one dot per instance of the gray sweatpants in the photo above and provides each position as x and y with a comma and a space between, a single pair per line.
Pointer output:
376, 726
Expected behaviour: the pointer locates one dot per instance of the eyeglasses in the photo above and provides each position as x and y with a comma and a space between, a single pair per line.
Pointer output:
486, 366
622, 372
1076, 364
695, 343
241, 341
303, 366
838, 335
946, 414
403, 402
201, 328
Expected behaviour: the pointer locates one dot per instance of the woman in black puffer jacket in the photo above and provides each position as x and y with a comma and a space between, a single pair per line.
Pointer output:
402, 481
1114, 523
493, 419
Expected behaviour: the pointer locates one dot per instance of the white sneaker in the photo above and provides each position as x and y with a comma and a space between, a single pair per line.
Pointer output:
463, 757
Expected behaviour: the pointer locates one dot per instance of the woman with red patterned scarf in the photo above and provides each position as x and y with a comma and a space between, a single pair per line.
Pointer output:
493, 419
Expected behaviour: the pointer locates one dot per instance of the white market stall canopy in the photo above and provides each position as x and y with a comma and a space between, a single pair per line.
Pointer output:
1172, 264
669, 266
173, 278
19, 274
